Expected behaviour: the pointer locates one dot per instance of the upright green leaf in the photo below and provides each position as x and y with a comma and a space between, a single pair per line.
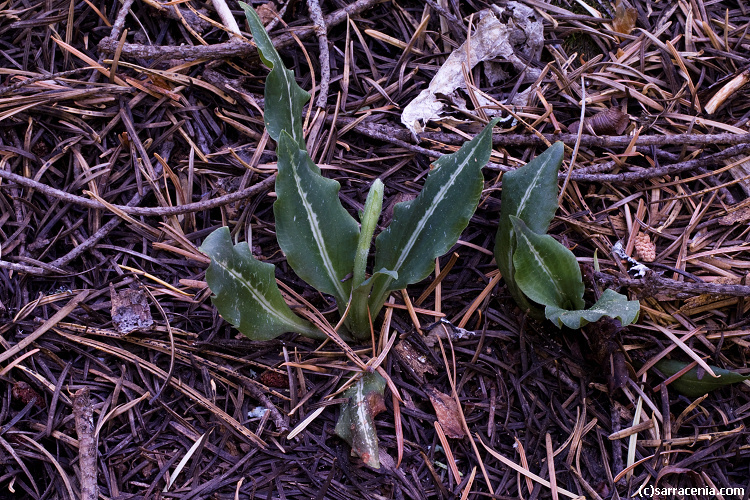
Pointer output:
611, 304
546, 271
358, 320
690, 385
316, 233
529, 193
428, 226
356, 424
245, 291
284, 99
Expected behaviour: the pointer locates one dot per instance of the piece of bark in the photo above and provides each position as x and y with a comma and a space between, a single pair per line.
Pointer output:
131, 310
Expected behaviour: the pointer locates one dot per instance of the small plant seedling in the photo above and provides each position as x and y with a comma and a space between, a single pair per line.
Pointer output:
538, 270
325, 245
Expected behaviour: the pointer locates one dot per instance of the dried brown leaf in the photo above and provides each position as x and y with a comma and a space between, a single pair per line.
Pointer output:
625, 17
266, 12
419, 363
448, 413
24, 393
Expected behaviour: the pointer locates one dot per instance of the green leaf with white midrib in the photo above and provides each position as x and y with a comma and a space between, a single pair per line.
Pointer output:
284, 99
246, 293
529, 193
318, 236
611, 304
428, 226
546, 271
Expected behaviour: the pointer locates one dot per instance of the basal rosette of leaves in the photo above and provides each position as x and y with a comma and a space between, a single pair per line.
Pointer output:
539, 271
325, 245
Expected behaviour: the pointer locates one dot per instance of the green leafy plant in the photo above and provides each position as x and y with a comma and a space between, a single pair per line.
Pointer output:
539, 271
691, 384
324, 244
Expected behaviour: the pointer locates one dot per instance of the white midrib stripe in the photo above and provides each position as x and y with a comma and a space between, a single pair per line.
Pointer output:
431, 210
539, 259
522, 205
291, 102
362, 411
317, 235
527, 194
260, 298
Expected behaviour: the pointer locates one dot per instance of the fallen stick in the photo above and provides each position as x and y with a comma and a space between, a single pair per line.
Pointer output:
232, 48
83, 413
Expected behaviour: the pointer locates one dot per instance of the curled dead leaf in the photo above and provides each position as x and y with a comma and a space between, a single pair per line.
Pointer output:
611, 121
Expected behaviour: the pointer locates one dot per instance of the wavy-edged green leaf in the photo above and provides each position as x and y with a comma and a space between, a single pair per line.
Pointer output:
529, 193
690, 385
246, 293
356, 423
546, 271
316, 233
428, 226
611, 304
284, 99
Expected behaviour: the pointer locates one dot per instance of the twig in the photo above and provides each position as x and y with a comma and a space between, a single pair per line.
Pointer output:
653, 284
83, 413
120, 21
278, 420
444, 13
146, 211
232, 48
41, 78
675, 168
92, 240
587, 140
383, 133
319, 24
35, 271
387, 134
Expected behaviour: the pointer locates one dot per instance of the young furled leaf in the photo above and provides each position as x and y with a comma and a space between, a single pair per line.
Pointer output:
245, 291
316, 233
428, 226
284, 99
